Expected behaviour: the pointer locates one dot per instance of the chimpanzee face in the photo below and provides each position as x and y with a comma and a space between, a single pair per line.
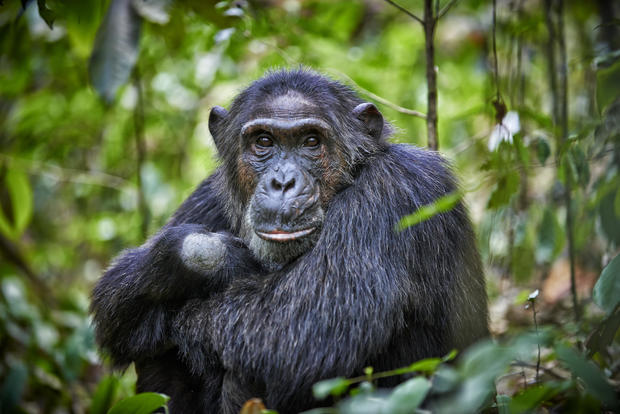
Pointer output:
286, 159
285, 147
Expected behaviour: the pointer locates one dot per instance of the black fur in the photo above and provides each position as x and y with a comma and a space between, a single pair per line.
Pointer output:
364, 295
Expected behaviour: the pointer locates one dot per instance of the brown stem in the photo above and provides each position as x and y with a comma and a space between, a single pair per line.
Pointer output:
407, 12
553, 83
431, 75
138, 121
559, 93
563, 107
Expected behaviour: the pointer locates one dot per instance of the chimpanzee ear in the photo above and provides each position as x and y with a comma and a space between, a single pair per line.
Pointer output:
371, 118
216, 118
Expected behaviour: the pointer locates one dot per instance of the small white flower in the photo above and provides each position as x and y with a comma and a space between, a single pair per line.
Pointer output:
505, 130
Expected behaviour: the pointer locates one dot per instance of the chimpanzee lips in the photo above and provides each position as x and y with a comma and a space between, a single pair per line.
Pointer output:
284, 236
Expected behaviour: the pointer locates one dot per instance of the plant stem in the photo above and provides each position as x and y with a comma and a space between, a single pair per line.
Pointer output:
560, 117
138, 122
430, 22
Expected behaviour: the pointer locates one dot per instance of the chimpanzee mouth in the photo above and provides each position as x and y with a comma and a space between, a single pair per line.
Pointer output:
284, 236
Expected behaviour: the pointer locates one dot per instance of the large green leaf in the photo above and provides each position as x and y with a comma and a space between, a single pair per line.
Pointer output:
20, 195
593, 378
408, 396
116, 49
333, 386
144, 403
424, 213
507, 185
104, 395
606, 293
610, 220
550, 237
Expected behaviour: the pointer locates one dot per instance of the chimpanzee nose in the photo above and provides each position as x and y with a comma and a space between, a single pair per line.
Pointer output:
283, 183
286, 182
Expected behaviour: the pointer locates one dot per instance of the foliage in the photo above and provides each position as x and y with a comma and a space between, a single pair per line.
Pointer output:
86, 171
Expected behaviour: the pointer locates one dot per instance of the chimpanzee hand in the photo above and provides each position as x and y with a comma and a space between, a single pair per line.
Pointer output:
135, 301
209, 253
198, 261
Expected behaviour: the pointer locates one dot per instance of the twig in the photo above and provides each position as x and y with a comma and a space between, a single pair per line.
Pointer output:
560, 117
564, 137
72, 175
495, 63
445, 9
431, 75
138, 118
407, 12
523, 364
380, 99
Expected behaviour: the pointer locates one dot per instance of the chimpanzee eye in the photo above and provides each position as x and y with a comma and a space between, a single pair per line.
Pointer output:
311, 142
264, 141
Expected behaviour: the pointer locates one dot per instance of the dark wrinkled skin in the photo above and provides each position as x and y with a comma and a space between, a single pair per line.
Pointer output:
286, 309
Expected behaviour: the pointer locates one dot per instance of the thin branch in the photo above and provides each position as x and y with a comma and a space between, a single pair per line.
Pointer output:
495, 63
523, 364
563, 107
431, 76
407, 12
72, 175
138, 117
445, 9
380, 99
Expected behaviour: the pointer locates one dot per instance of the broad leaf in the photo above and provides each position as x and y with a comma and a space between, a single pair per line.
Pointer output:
104, 395
424, 213
593, 378
144, 403
408, 396
334, 386
606, 293
116, 49
20, 195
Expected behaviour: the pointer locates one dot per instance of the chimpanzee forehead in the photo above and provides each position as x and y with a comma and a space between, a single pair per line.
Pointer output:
292, 105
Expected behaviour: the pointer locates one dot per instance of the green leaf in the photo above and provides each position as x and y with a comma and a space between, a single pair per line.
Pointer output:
424, 213
503, 401
603, 335
144, 403
46, 14
610, 221
407, 396
507, 185
116, 49
606, 292
20, 194
155, 11
594, 380
424, 365
523, 252
543, 150
13, 387
532, 397
104, 395
334, 386
607, 81
550, 238
579, 166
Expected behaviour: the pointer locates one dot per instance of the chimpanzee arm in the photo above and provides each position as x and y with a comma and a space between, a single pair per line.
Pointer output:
134, 301
363, 287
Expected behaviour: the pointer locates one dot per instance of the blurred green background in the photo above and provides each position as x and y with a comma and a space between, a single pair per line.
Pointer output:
86, 172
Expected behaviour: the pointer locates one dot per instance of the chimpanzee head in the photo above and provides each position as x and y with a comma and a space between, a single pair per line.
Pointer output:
290, 142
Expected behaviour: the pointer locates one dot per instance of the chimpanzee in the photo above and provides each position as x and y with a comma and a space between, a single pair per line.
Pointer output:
285, 266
